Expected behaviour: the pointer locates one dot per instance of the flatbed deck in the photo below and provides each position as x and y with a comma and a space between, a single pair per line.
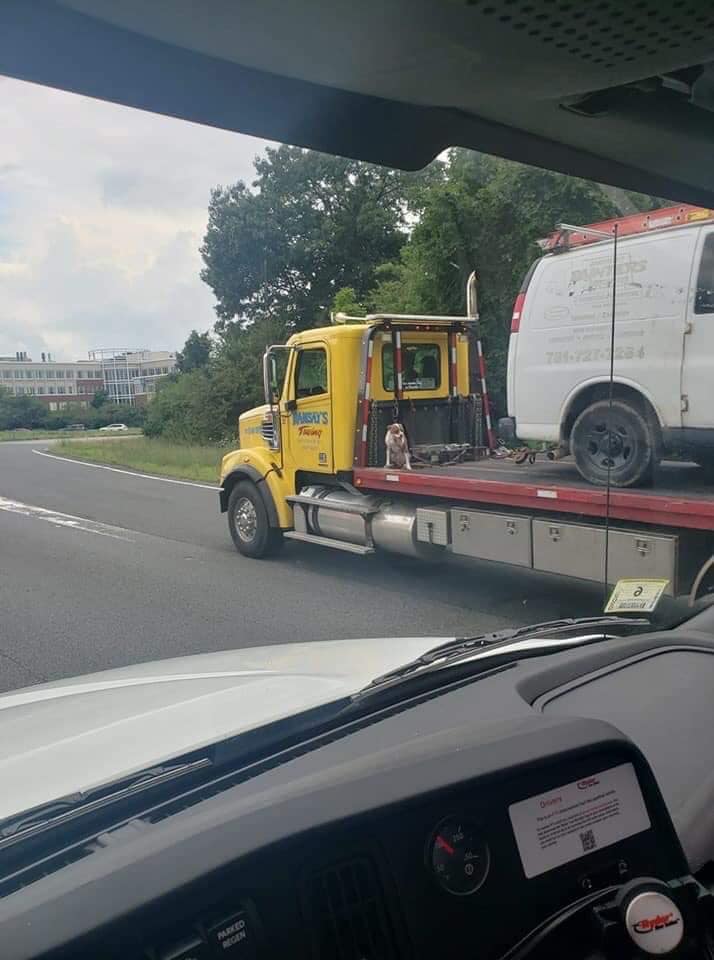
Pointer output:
681, 497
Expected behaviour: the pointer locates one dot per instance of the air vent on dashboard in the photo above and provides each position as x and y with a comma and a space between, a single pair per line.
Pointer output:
348, 914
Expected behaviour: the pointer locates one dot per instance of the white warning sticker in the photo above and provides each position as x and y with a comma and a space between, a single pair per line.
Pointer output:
568, 822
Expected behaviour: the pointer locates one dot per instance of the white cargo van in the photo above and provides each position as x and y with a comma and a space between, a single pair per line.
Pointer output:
559, 350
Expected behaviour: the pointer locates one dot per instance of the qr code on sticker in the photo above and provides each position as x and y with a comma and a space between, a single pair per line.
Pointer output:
587, 838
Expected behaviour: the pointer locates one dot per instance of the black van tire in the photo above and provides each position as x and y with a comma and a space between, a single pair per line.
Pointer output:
634, 449
249, 524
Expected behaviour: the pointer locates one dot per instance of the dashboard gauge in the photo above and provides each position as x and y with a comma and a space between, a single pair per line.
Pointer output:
458, 856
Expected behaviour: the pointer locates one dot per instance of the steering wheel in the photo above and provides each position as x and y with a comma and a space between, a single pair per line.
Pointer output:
645, 916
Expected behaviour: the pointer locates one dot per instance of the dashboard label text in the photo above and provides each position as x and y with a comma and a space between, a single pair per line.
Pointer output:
568, 822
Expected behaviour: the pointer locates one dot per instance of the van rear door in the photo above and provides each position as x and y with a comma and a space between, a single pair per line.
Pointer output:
517, 313
698, 361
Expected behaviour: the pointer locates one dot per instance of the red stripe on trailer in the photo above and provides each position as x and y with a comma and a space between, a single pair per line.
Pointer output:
453, 366
363, 435
490, 435
398, 369
664, 510
366, 405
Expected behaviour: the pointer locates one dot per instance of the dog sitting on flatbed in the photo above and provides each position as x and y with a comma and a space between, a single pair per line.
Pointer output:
395, 442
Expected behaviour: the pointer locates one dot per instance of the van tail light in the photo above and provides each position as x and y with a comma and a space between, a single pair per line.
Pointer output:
517, 310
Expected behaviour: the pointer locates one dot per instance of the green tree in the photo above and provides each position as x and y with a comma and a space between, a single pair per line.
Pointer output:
20, 412
314, 233
486, 214
196, 352
205, 404
99, 399
345, 301
238, 370
309, 225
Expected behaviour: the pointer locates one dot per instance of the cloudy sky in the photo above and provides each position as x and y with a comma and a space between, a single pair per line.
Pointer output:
102, 212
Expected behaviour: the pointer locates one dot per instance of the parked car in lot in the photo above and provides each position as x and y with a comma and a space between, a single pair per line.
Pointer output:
74, 426
559, 352
114, 428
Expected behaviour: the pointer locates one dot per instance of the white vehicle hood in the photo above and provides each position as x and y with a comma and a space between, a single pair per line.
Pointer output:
77, 734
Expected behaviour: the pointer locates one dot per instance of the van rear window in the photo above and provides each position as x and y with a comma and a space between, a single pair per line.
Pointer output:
421, 366
704, 298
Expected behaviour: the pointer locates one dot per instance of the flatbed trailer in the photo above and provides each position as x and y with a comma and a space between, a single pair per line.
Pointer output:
681, 499
311, 466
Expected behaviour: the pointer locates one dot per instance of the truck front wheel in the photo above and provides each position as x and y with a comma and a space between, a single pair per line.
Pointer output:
617, 442
249, 524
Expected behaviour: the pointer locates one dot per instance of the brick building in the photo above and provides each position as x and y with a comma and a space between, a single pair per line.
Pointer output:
128, 376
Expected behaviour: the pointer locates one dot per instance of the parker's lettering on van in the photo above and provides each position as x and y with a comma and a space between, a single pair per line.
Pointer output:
601, 269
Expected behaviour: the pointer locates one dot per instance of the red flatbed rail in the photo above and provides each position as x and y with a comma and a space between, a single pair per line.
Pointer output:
681, 497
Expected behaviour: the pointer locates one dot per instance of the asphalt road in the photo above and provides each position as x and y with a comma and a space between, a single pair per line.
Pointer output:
100, 569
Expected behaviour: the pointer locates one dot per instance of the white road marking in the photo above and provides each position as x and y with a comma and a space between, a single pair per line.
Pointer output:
130, 473
64, 519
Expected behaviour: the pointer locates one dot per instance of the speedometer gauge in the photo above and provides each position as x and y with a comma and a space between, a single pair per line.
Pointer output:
458, 856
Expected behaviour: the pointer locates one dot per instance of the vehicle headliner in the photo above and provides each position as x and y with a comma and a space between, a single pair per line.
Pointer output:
616, 95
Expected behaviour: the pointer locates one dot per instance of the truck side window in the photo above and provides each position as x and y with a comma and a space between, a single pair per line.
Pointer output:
311, 373
704, 297
421, 366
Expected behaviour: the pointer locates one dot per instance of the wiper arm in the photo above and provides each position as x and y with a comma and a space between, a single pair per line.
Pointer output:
60, 811
547, 626
456, 649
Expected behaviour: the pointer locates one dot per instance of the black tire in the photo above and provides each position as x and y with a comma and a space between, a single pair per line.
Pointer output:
631, 445
249, 523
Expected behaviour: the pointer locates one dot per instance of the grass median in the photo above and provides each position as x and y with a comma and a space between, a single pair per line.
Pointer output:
57, 434
179, 460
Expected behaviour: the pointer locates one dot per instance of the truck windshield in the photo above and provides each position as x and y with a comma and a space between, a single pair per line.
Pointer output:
449, 450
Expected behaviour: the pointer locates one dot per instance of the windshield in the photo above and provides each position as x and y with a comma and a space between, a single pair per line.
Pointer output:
490, 405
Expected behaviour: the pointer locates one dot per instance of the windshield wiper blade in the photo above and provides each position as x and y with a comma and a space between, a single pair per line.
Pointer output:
60, 811
462, 647
546, 626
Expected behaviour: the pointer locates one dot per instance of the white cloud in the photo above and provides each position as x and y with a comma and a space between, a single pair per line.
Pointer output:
102, 212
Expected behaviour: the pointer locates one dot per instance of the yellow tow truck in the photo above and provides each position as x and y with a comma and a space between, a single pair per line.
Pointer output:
311, 465
326, 416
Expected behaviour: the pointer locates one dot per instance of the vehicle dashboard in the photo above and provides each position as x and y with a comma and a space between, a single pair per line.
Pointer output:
345, 849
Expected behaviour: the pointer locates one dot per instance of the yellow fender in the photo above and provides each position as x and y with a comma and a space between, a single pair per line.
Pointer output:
261, 467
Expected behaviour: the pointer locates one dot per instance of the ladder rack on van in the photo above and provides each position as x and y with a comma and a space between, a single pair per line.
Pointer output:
566, 238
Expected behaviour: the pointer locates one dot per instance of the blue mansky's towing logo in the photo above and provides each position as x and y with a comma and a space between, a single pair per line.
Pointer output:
310, 427
310, 417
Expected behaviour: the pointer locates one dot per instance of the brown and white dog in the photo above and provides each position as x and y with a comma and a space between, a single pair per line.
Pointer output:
395, 441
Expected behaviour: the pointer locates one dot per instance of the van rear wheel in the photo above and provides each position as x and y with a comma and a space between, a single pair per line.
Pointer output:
249, 523
615, 441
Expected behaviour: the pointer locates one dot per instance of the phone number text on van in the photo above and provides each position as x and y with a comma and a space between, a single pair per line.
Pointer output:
593, 355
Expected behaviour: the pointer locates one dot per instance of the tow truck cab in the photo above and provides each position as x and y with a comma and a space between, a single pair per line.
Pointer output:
332, 392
